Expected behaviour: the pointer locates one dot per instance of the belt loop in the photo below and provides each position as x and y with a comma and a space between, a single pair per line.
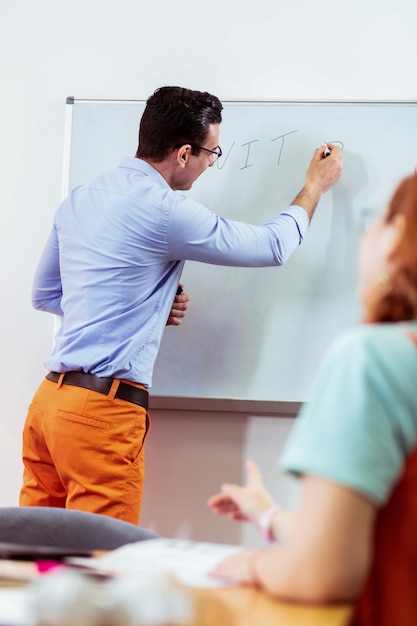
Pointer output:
60, 380
113, 389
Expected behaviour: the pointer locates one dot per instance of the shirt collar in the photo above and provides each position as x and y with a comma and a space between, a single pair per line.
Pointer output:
145, 168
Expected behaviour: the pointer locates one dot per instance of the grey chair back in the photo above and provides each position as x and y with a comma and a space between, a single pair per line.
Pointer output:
66, 528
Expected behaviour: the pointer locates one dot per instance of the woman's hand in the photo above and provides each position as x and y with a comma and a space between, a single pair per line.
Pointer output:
246, 503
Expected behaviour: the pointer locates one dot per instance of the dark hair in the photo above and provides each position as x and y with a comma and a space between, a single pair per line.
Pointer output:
396, 300
175, 116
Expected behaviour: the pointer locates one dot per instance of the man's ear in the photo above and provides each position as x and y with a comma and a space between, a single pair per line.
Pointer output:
183, 154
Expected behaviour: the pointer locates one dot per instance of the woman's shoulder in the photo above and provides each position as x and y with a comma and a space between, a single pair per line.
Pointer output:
373, 351
375, 338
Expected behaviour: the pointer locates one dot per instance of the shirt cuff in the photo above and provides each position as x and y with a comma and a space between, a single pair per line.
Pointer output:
300, 218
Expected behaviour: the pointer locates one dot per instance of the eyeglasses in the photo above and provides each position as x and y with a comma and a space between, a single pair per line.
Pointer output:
215, 154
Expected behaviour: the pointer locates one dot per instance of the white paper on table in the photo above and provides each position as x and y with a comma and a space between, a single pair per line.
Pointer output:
15, 606
189, 561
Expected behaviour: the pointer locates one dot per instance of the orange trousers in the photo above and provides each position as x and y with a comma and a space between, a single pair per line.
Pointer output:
84, 450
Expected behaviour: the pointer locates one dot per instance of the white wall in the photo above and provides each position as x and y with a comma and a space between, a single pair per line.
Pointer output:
50, 49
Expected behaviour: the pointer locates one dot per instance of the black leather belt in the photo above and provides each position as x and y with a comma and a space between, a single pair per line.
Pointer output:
127, 392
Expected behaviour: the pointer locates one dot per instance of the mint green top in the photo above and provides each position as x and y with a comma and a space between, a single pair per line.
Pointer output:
361, 422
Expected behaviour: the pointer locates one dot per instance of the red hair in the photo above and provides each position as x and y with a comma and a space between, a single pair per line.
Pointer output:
396, 300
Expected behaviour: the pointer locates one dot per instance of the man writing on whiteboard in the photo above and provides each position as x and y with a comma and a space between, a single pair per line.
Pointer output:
111, 269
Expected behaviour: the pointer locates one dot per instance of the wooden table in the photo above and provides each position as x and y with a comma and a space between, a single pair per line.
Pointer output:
230, 606
244, 606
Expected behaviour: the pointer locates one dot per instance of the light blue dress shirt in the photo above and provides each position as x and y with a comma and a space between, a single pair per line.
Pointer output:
114, 257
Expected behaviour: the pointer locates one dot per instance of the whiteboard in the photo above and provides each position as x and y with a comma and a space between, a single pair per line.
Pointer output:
258, 335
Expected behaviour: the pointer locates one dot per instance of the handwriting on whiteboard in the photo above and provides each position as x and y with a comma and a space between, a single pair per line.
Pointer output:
246, 151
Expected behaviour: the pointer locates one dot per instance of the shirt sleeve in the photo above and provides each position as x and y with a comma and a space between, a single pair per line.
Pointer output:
360, 424
197, 234
47, 287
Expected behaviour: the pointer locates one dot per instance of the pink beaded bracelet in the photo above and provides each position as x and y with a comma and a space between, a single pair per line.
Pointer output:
265, 523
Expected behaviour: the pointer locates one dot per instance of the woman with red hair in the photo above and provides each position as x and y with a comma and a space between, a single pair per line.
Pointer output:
354, 447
